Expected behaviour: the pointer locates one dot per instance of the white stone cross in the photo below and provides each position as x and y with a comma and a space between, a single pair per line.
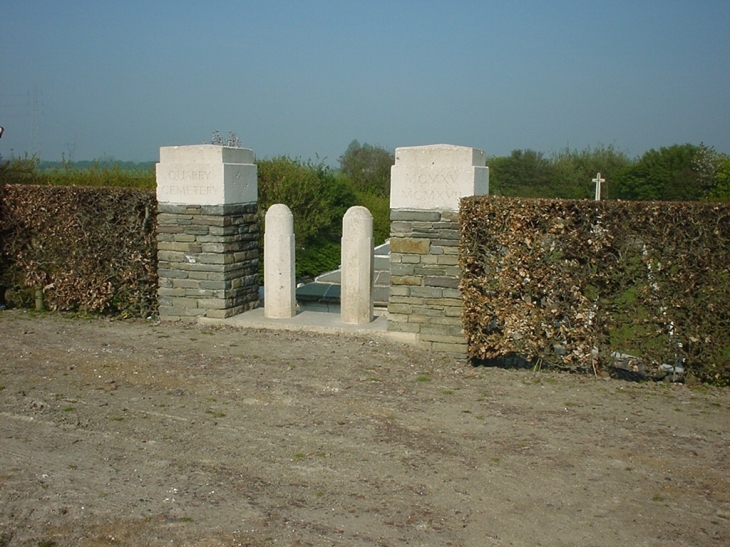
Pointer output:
598, 180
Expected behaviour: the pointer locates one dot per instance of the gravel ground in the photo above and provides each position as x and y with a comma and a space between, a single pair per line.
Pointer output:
134, 433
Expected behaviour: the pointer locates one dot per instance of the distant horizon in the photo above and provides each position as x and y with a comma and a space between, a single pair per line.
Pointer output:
110, 158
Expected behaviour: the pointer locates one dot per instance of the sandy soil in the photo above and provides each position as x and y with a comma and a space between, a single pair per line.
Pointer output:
131, 433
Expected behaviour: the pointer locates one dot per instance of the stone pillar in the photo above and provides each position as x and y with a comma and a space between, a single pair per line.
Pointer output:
358, 263
279, 261
207, 232
427, 183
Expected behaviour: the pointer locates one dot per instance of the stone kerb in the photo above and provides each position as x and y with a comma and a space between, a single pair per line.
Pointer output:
207, 232
427, 183
279, 263
358, 263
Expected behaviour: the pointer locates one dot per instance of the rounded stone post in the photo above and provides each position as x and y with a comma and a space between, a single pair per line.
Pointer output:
279, 285
356, 299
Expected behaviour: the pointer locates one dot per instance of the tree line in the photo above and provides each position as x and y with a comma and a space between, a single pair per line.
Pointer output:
681, 172
319, 195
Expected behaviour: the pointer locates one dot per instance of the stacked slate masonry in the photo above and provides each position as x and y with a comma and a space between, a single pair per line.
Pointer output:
208, 260
424, 279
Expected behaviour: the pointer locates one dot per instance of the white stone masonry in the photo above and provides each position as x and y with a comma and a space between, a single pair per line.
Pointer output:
206, 174
279, 280
436, 177
356, 299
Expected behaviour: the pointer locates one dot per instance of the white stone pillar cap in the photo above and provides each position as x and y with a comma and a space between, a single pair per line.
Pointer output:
437, 176
206, 174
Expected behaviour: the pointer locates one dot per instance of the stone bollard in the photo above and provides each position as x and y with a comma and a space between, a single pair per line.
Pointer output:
279, 285
356, 299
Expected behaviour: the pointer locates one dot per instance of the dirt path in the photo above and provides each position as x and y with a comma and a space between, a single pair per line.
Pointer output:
129, 433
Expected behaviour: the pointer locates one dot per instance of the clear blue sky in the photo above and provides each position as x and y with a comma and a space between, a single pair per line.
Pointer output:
304, 78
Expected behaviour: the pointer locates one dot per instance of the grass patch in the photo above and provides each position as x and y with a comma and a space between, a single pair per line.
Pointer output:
423, 378
215, 414
69, 409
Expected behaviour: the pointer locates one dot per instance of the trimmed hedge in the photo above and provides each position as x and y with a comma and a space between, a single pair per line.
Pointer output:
581, 285
87, 248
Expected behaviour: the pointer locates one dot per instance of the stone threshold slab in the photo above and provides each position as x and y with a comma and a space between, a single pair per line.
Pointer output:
312, 321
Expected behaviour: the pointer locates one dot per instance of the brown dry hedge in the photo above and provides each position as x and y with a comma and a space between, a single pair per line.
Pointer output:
581, 285
87, 248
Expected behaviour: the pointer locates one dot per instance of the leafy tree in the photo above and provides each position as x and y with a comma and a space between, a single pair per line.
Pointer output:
566, 174
666, 174
576, 169
720, 190
706, 163
523, 173
318, 200
367, 167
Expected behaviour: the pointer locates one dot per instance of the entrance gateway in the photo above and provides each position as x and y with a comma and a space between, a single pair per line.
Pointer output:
208, 239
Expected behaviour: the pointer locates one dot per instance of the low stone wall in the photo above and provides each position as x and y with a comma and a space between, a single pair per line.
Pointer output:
207, 260
424, 285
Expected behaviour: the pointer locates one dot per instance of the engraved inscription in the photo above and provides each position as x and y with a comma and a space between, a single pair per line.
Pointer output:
175, 190
422, 195
433, 178
188, 175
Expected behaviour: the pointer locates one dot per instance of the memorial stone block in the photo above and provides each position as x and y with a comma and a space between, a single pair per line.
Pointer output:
435, 177
207, 232
427, 183
206, 174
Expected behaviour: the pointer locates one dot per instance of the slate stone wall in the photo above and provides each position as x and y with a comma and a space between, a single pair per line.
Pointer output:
424, 279
207, 260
